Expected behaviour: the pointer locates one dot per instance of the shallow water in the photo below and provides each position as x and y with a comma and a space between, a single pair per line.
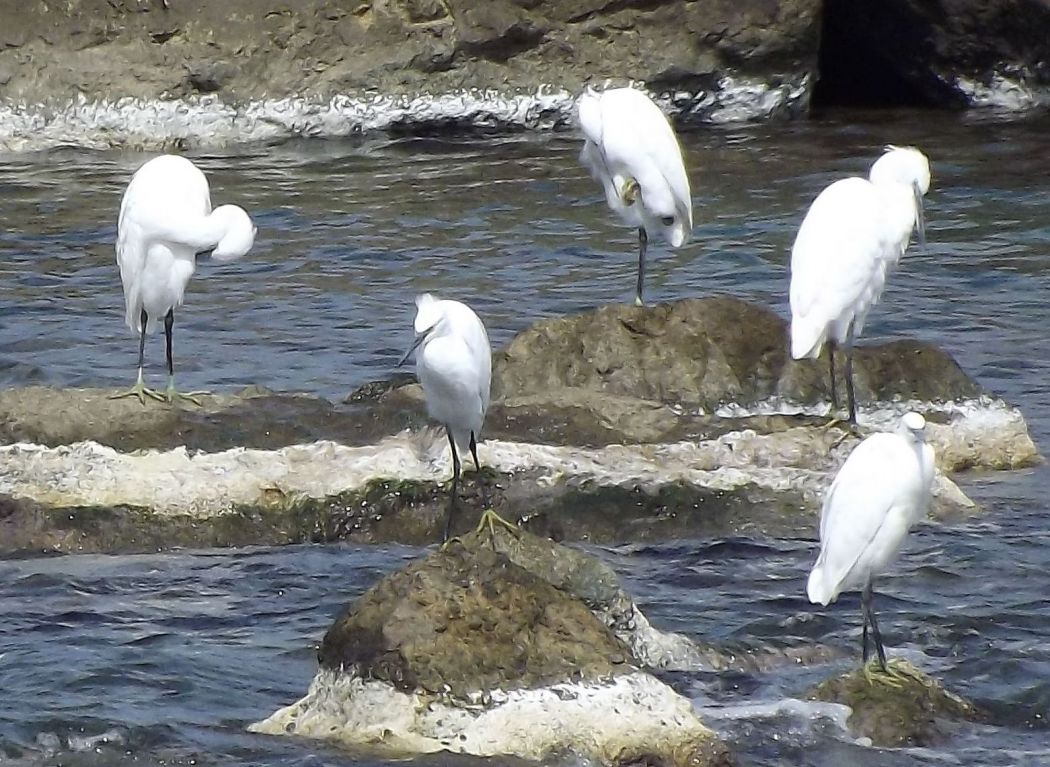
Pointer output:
170, 656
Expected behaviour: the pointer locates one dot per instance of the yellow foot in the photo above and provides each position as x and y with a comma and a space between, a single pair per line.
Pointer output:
629, 193
490, 519
139, 390
887, 677
171, 396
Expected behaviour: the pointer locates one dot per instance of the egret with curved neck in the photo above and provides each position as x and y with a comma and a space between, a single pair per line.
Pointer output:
853, 234
631, 150
166, 219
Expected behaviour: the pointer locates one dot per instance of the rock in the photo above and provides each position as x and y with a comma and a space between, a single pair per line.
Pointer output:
954, 54
708, 352
907, 709
620, 424
483, 647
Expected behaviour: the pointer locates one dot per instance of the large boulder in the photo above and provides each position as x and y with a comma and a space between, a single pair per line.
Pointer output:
498, 643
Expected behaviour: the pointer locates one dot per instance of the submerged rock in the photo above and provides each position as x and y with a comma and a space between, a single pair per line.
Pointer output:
489, 646
903, 708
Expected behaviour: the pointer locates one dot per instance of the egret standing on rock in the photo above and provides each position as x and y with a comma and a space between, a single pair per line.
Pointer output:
882, 489
631, 150
855, 231
166, 219
454, 366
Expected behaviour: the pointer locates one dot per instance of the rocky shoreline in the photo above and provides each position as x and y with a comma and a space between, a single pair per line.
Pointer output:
146, 74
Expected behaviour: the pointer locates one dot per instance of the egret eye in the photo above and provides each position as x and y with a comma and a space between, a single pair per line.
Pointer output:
667, 220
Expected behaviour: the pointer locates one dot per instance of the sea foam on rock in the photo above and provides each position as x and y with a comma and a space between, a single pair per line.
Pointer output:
489, 646
621, 423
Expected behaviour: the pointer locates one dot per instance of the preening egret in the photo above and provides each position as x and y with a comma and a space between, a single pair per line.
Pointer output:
454, 366
882, 489
855, 231
631, 150
166, 219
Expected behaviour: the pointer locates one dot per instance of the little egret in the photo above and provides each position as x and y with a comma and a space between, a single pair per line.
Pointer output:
454, 366
166, 219
855, 231
882, 489
631, 150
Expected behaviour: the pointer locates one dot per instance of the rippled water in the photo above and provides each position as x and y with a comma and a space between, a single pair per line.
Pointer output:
164, 659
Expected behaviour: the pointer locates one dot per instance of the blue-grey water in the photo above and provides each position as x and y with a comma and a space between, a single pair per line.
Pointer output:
164, 659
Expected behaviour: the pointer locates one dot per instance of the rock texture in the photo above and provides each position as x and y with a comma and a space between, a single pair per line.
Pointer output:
488, 646
954, 53
907, 709
251, 49
619, 424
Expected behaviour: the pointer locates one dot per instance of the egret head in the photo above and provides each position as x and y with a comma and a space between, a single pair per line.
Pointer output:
905, 165
428, 317
238, 232
913, 425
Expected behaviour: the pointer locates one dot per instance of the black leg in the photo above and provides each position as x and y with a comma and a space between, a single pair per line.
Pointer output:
455, 485
169, 321
869, 617
850, 395
474, 451
142, 339
831, 372
643, 241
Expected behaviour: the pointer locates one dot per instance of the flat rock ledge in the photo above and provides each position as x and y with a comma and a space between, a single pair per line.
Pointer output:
499, 644
617, 424
905, 709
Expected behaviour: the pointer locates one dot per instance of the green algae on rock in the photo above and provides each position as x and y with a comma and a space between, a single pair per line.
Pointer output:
492, 645
903, 708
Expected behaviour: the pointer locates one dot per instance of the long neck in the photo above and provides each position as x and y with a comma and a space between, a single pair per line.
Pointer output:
197, 232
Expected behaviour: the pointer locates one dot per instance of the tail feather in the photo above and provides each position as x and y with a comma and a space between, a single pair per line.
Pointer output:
807, 340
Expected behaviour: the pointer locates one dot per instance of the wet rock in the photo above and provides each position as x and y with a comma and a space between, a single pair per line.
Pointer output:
904, 708
487, 647
956, 53
695, 52
708, 352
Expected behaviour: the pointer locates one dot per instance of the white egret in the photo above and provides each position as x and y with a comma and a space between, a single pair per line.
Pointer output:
631, 150
855, 231
166, 219
882, 489
454, 366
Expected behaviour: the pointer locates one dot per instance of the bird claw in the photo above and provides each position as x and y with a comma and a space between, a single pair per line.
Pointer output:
886, 675
171, 396
139, 390
629, 192
490, 519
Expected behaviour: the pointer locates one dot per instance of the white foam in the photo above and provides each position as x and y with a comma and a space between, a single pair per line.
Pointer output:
1004, 92
633, 712
209, 121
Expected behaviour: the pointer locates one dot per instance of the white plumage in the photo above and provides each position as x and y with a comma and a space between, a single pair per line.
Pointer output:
882, 489
166, 219
631, 150
454, 367
854, 232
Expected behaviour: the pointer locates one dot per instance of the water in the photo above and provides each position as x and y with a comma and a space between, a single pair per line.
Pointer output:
164, 659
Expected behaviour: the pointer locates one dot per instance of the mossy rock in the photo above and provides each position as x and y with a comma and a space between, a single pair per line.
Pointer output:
904, 707
469, 618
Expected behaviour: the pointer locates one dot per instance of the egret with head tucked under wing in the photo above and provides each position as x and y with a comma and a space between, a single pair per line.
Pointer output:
631, 150
454, 367
854, 232
882, 489
166, 219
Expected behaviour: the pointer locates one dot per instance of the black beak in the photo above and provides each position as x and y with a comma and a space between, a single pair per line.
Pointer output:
415, 345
